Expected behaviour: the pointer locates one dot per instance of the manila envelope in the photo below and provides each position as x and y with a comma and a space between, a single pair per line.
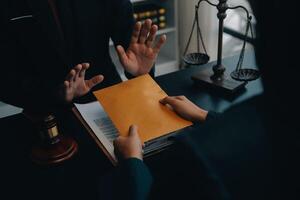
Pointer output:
136, 101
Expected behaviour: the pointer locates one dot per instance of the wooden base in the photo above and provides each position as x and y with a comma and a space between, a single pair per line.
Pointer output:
49, 154
223, 84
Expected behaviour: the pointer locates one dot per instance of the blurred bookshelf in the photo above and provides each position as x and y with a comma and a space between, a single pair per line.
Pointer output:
167, 21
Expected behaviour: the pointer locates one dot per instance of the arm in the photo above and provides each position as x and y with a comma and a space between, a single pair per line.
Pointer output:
17, 85
211, 115
134, 179
188, 110
30, 86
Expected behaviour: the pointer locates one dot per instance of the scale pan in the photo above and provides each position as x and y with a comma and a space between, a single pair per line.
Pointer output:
196, 59
245, 74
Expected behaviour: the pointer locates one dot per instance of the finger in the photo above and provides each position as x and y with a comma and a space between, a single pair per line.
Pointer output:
151, 36
122, 55
85, 66
181, 97
136, 32
169, 100
94, 81
145, 31
71, 75
162, 40
66, 84
133, 131
77, 69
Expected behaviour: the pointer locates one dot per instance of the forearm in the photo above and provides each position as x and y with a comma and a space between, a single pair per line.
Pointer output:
135, 180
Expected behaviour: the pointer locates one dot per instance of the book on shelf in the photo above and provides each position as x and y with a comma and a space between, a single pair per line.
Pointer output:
151, 11
135, 101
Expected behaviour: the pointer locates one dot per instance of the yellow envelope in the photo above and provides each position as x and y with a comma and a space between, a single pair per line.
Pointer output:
136, 101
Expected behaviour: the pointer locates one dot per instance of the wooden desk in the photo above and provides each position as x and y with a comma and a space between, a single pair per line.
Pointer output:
79, 177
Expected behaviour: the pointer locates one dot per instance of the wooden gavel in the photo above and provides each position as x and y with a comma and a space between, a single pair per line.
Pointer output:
52, 147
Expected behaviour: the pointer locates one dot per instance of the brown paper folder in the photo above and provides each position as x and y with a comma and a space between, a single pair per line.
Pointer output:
136, 101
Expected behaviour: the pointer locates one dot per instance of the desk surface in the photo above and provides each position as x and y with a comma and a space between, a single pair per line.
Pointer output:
80, 175
180, 83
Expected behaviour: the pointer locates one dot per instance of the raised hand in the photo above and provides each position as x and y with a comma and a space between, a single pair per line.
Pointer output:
75, 84
185, 108
142, 52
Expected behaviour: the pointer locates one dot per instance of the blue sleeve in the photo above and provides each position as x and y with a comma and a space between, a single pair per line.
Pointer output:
212, 116
135, 180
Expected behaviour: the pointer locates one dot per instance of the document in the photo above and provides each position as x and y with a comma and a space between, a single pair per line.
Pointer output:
135, 101
100, 124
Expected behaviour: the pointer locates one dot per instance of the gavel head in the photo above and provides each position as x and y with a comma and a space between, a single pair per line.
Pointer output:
52, 147
48, 130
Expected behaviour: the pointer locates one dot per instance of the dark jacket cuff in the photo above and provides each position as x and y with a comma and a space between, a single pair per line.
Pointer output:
137, 179
212, 116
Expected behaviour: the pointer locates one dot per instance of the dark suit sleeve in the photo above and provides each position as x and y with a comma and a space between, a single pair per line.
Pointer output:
212, 116
6, 50
134, 180
236, 151
15, 82
20, 84
122, 22
122, 26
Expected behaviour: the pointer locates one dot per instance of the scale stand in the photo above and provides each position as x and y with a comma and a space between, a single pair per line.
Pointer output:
216, 77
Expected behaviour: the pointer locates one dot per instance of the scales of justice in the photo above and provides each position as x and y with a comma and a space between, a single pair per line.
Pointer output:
216, 77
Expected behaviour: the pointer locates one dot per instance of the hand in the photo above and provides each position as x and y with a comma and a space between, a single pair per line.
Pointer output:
185, 108
130, 146
76, 86
141, 54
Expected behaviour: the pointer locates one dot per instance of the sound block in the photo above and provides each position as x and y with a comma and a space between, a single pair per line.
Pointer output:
224, 83
48, 154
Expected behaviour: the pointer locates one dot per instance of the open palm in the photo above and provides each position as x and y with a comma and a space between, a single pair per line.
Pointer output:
75, 84
142, 52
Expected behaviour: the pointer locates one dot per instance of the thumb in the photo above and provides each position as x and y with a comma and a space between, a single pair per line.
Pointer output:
122, 54
133, 131
172, 101
94, 81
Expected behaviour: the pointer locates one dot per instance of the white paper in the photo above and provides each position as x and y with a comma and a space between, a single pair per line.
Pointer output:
97, 119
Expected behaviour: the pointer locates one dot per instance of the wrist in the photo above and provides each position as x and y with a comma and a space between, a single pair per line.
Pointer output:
137, 155
201, 115
139, 72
